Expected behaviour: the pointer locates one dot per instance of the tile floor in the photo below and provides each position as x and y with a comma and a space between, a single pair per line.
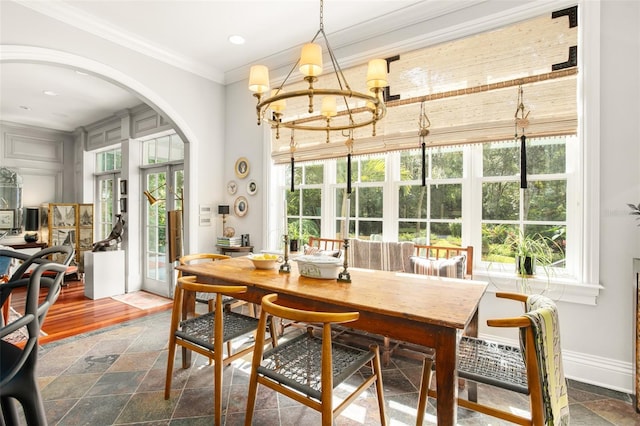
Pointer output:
116, 376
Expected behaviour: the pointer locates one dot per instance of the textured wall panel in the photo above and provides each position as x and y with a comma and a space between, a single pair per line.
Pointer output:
34, 148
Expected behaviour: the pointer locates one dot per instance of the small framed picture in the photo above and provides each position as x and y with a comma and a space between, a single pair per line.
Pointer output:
232, 187
252, 187
242, 167
241, 206
123, 187
6, 219
123, 205
205, 221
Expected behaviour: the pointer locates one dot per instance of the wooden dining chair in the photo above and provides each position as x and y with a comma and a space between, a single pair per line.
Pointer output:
307, 367
206, 334
534, 368
325, 244
207, 298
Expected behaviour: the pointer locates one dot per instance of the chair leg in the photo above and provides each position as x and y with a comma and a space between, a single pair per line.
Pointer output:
217, 379
9, 411
33, 408
377, 370
170, 361
424, 389
6, 309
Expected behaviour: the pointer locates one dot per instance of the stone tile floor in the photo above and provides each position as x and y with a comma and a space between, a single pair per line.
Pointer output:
116, 376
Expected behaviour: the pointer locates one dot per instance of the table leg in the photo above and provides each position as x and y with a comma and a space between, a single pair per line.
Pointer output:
447, 377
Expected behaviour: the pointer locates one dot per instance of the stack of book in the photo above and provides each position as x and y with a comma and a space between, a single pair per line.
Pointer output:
229, 241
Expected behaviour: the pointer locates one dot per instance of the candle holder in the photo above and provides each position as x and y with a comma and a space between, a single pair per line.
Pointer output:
345, 276
285, 268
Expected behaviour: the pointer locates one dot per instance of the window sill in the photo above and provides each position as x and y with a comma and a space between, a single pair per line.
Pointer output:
559, 289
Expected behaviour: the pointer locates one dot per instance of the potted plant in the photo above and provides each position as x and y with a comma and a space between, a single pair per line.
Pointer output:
530, 250
294, 236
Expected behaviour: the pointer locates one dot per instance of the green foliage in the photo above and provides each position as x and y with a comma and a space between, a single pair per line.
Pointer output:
635, 211
534, 246
302, 231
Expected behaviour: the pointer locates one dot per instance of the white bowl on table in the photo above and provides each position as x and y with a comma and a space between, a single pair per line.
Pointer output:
264, 261
319, 266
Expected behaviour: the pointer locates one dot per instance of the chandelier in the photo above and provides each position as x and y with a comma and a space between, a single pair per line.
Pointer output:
365, 109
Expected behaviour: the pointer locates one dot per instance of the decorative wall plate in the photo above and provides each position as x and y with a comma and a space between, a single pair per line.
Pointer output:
252, 187
241, 206
242, 167
232, 187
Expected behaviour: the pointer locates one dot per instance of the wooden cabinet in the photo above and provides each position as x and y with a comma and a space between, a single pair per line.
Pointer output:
72, 223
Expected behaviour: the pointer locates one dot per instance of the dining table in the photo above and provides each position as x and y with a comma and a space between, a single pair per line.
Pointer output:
424, 310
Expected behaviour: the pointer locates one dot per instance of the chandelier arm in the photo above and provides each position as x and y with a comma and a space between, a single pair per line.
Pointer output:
337, 70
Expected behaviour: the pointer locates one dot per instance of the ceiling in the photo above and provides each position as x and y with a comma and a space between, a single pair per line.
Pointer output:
192, 35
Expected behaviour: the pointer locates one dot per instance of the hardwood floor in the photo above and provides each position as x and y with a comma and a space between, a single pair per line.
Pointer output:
73, 313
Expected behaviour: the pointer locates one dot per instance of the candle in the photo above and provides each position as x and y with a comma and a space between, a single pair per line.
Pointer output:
286, 224
345, 234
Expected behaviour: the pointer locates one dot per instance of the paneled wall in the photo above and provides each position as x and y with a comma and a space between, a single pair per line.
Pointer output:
43, 157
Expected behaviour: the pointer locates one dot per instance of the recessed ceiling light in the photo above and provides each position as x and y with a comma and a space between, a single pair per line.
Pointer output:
24, 107
236, 39
50, 93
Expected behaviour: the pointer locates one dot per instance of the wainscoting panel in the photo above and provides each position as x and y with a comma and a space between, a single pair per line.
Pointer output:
34, 148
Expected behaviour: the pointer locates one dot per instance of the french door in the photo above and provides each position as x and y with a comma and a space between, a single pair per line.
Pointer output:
164, 184
106, 205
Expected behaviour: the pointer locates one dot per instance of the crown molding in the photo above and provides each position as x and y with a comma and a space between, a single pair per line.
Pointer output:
74, 17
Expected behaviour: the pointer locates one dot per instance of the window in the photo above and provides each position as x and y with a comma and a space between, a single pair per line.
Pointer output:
105, 205
368, 175
540, 209
110, 160
107, 177
304, 204
164, 149
431, 214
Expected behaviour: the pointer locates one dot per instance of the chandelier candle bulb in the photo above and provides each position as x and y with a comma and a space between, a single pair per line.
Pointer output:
311, 60
377, 73
329, 108
277, 106
259, 79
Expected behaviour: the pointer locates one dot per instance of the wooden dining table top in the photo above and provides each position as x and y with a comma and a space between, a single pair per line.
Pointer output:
437, 301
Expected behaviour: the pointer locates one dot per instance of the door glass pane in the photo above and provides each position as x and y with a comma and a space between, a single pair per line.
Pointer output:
105, 207
155, 227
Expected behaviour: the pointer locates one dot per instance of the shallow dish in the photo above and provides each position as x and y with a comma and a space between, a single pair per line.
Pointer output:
318, 266
260, 262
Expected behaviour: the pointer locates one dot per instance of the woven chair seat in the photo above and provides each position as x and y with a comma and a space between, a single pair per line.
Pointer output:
297, 363
200, 330
493, 364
